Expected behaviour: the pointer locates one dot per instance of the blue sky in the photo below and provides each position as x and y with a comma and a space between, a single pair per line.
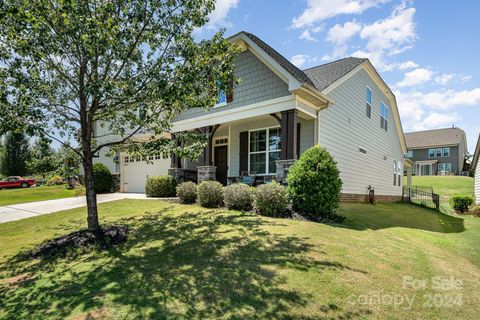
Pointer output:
427, 51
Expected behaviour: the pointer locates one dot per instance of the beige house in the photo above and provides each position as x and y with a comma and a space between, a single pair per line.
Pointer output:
276, 113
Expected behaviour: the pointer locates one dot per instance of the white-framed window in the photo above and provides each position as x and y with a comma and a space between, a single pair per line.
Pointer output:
445, 167
438, 152
384, 113
431, 153
369, 102
126, 159
158, 156
410, 154
446, 152
264, 150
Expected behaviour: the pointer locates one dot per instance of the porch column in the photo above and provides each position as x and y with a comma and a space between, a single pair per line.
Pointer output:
288, 144
176, 170
207, 171
289, 135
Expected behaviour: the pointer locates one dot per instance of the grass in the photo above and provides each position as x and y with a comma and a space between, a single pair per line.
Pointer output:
24, 195
187, 262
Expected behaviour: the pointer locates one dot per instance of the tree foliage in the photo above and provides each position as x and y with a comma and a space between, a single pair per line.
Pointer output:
128, 66
15, 155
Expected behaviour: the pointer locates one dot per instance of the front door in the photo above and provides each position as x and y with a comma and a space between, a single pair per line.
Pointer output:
221, 164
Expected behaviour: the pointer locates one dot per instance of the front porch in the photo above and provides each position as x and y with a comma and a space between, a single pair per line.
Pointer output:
254, 150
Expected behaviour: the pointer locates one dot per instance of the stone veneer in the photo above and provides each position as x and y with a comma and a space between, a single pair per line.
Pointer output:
282, 169
353, 197
205, 173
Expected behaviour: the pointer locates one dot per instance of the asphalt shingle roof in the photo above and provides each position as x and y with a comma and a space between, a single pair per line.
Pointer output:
434, 138
326, 74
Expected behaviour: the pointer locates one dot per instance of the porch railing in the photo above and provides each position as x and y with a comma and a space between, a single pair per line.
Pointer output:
422, 196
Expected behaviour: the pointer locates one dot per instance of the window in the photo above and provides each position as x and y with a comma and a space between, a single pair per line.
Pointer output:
384, 116
151, 157
394, 179
431, 153
410, 154
446, 152
438, 152
444, 167
222, 97
264, 150
399, 180
157, 156
127, 159
138, 158
369, 102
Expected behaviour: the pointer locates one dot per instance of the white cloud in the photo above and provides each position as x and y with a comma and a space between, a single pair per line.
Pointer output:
218, 16
415, 77
407, 65
319, 10
299, 59
436, 120
444, 78
339, 34
307, 36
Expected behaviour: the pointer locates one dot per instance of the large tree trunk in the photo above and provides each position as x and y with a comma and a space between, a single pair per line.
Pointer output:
91, 196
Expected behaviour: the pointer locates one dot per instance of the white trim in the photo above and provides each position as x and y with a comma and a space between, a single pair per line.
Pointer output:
218, 105
266, 152
249, 111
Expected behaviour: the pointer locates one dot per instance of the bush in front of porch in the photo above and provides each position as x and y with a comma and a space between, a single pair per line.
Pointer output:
314, 184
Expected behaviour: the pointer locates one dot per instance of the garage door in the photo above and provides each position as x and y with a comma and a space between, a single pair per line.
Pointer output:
136, 170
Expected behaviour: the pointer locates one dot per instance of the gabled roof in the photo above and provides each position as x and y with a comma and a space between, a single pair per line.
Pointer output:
326, 74
435, 138
476, 156
290, 67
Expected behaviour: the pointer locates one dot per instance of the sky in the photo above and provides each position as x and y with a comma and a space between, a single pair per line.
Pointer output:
426, 50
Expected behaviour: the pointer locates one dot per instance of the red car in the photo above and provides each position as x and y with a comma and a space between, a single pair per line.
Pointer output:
16, 182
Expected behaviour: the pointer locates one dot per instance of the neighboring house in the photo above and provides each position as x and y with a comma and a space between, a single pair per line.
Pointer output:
476, 171
277, 112
437, 152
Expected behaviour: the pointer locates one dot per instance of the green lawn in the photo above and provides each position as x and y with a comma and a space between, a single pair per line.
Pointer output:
15, 196
186, 262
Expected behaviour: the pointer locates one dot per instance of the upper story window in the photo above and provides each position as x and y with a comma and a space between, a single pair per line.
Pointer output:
439, 152
409, 154
384, 112
446, 152
222, 98
264, 150
369, 102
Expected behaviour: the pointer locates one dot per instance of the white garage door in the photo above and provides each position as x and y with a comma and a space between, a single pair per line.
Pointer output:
136, 171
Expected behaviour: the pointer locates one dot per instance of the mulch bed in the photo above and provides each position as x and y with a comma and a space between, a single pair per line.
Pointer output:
107, 237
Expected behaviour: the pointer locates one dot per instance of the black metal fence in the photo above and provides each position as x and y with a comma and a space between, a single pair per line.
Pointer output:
422, 196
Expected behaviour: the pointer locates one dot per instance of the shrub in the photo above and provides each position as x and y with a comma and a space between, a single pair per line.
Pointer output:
461, 202
187, 192
210, 194
313, 183
79, 190
161, 186
475, 210
238, 196
270, 200
55, 181
102, 179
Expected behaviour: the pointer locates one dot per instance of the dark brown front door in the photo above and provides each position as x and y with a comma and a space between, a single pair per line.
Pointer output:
221, 164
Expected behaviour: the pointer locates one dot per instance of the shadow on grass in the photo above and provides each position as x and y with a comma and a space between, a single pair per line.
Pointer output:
200, 265
382, 216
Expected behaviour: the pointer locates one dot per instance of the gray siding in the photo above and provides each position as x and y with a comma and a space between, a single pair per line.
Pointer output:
455, 156
344, 128
258, 83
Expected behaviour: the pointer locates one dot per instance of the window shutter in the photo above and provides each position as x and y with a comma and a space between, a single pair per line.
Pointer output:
243, 151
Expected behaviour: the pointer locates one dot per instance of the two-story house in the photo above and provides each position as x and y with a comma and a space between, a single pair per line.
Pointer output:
276, 113
437, 152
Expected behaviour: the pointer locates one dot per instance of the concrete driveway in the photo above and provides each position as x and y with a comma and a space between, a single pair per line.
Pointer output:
32, 209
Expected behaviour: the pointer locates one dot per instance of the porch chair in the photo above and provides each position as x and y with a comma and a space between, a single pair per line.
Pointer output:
248, 177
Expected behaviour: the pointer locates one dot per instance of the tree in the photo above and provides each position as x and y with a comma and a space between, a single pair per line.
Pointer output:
15, 155
127, 65
43, 158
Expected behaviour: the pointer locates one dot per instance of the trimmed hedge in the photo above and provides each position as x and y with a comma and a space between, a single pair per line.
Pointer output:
461, 202
160, 187
210, 194
270, 200
314, 184
238, 196
102, 179
187, 192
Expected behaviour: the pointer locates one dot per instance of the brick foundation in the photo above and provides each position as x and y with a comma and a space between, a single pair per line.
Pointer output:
354, 197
